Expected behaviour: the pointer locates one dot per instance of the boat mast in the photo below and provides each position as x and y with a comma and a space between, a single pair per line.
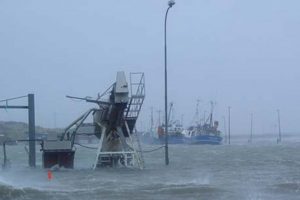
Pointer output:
181, 120
151, 121
159, 111
211, 113
197, 117
170, 111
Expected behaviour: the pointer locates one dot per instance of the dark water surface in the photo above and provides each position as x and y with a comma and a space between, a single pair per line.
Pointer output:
238, 171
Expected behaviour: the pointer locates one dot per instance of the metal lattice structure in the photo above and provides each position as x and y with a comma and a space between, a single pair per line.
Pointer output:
114, 121
137, 90
130, 152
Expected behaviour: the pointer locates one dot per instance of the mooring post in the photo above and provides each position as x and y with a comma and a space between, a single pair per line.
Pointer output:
4, 156
31, 130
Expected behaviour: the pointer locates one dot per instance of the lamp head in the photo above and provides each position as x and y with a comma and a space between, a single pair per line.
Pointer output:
171, 3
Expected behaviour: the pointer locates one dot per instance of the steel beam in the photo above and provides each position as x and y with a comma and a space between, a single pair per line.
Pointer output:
31, 122
14, 107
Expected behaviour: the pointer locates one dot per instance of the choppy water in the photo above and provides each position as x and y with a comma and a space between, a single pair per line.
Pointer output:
263, 170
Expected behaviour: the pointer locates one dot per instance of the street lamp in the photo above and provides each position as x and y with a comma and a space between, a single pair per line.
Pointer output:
171, 3
229, 124
279, 127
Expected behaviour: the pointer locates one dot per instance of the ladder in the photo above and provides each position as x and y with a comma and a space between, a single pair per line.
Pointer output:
138, 153
140, 150
137, 90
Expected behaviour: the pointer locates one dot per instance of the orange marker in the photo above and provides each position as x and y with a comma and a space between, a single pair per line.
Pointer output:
50, 175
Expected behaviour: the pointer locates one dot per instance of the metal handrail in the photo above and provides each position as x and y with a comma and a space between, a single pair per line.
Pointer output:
5, 160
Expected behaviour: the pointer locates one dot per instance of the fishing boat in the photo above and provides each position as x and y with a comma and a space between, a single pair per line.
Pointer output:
157, 135
175, 129
204, 133
175, 135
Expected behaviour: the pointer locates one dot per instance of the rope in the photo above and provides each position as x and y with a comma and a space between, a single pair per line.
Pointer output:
149, 151
12, 98
85, 146
145, 151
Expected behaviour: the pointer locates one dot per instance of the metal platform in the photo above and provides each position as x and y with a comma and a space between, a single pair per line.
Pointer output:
130, 153
115, 159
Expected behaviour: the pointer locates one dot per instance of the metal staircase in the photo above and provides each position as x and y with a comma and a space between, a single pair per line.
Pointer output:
140, 150
137, 90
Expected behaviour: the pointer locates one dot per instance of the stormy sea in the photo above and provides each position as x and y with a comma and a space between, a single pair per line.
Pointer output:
261, 170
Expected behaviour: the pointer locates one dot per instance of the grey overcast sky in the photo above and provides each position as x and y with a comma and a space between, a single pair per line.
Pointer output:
235, 52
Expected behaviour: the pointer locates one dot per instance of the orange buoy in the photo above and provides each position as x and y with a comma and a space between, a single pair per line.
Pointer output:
50, 175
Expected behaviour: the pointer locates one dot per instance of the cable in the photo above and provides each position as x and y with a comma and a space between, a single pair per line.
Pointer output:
13, 98
85, 146
105, 92
149, 151
145, 151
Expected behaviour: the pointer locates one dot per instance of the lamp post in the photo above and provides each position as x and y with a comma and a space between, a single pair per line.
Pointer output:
251, 129
279, 127
171, 3
229, 124
225, 130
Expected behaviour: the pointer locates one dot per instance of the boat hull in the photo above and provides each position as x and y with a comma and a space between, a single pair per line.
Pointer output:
176, 140
199, 139
204, 139
161, 140
172, 139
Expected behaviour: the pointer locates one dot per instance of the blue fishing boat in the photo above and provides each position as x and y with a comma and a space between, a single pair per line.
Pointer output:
204, 133
198, 135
